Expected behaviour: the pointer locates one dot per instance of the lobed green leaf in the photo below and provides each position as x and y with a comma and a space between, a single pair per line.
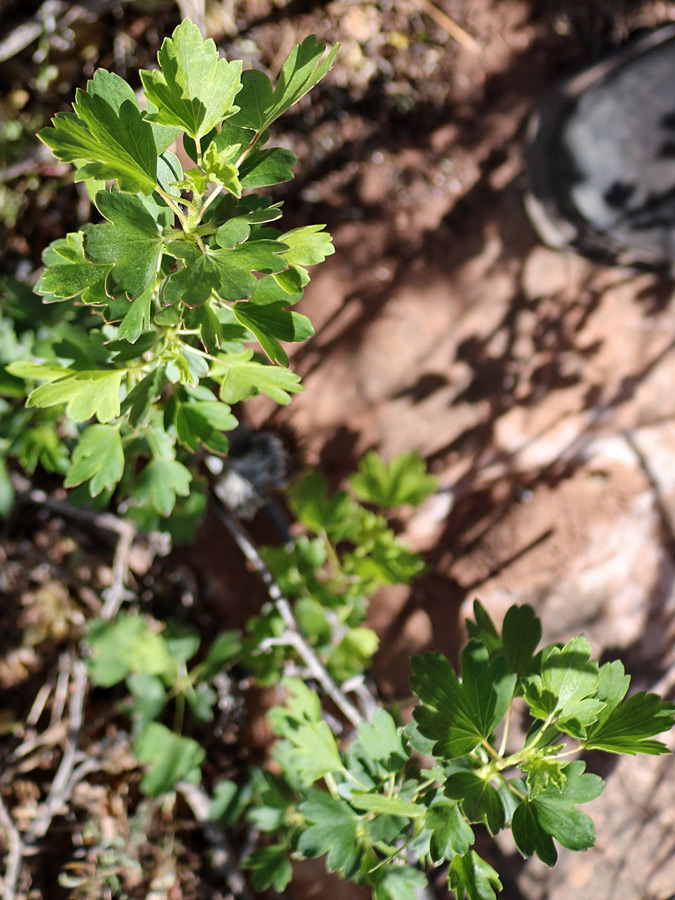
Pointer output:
131, 246
106, 136
86, 394
334, 832
160, 482
402, 481
97, 458
470, 876
195, 88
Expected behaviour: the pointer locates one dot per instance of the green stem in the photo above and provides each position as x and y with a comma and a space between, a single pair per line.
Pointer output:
332, 786
171, 202
388, 859
507, 725
198, 351
209, 200
570, 752
355, 780
514, 789
332, 555
490, 749
423, 787
179, 716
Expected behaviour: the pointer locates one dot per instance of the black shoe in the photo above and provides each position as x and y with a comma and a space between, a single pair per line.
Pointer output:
602, 158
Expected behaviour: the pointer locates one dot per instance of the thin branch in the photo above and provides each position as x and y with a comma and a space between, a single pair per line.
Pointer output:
15, 852
293, 636
223, 859
61, 689
116, 593
447, 24
58, 792
39, 704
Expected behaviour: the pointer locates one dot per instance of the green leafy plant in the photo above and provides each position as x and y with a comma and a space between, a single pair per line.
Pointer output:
186, 288
160, 319
347, 552
396, 800
153, 661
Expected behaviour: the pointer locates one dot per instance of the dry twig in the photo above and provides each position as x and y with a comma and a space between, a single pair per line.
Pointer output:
447, 24
15, 852
58, 792
292, 635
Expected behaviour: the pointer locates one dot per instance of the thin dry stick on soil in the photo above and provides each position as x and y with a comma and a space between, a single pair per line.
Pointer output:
15, 852
292, 635
447, 24
58, 792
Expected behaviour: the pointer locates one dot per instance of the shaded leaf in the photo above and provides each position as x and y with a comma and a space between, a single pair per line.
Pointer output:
458, 716
629, 726
131, 245
399, 883
159, 482
170, 758
387, 806
334, 833
72, 274
451, 833
200, 421
137, 320
470, 876
272, 323
139, 402
97, 458
521, 633
226, 273
480, 801
381, 740
266, 167
270, 867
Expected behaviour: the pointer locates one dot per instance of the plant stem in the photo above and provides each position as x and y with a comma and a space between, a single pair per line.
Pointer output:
295, 637
251, 144
491, 750
387, 859
331, 785
171, 202
209, 200
507, 725
15, 852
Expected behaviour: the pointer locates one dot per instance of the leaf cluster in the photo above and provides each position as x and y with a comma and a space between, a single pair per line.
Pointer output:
182, 298
152, 659
381, 820
347, 552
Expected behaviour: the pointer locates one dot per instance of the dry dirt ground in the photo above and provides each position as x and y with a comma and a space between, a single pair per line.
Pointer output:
538, 385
